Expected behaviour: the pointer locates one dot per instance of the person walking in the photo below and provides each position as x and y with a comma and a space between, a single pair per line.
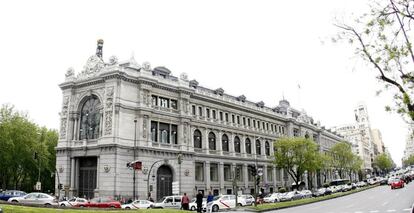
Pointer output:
185, 202
199, 201
210, 198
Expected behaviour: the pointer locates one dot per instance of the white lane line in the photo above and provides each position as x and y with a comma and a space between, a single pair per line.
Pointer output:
374, 211
406, 209
358, 212
391, 210
385, 203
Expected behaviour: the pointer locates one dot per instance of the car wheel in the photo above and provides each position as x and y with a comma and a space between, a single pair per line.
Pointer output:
62, 205
239, 204
82, 206
14, 201
215, 208
275, 201
112, 207
127, 207
47, 204
148, 207
192, 208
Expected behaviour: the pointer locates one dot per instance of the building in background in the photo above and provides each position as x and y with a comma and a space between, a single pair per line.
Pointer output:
359, 134
409, 143
119, 111
378, 143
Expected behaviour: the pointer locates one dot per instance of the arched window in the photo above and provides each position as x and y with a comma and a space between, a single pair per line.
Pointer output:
248, 146
90, 118
267, 148
225, 143
197, 139
258, 148
237, 144
212, 141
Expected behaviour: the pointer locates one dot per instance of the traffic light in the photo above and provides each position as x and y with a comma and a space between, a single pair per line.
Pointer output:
60, 186
237, 173
253, 171
258, 180
128, 165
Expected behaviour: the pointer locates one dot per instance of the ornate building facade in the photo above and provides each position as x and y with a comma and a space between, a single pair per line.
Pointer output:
112, 110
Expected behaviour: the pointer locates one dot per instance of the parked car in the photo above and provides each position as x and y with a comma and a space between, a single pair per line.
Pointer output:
169, 202
333, 189
35, 198
321, 192
138, 204
6, 195
100, 202
288, 196
223, 202
193, 205
383, 181
306, 193
73, 202
271, 198
361, 184
249, 199
346, 187
397, 183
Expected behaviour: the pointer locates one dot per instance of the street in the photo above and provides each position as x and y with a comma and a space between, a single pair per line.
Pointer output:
377, 200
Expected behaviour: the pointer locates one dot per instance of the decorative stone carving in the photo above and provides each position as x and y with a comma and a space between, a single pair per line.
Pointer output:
93, 66
219, 91
260, 104
109, 110
64, 116
113, 60
70, 74
146, 66
187, 172
106, 168
185, 131
144, 126
184, 76
193, 84
241, 98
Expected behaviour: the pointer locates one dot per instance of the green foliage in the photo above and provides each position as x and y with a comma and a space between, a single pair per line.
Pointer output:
383, 162
343, 159
282, 190
296, 155
409, 161
20, 139
383, 38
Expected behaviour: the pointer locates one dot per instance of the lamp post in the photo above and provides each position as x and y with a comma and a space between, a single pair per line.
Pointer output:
180, 160
135, 145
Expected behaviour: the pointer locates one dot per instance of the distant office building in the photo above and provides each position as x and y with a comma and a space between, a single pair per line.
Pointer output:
409, 143
378, 143
111, 107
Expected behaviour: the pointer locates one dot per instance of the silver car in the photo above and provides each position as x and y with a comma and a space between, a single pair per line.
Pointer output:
35, 198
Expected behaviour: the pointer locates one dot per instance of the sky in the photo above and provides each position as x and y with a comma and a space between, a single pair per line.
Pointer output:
262, 49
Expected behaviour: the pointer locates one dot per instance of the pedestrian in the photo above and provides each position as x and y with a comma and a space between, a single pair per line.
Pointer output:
210, 198
185, 202
199, 201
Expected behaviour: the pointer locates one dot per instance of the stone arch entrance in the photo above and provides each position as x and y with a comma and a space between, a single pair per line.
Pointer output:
164, 181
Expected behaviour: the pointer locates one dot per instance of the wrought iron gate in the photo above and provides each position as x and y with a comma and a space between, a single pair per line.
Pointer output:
164, 181
87, 176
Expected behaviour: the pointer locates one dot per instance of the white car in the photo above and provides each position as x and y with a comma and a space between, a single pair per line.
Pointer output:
193, 205
248, 199
223, 202
272, 198
169, 202
35, 198
138, 204
73, 202
306, 193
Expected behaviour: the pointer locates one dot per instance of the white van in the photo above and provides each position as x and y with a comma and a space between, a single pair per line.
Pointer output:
173, 201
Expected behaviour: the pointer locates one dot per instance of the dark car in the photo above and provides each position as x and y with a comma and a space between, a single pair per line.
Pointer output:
11, 193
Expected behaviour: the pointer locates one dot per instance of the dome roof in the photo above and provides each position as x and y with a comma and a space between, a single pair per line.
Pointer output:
162, 70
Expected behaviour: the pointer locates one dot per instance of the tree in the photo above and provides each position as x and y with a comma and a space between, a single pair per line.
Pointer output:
382, 38
342, 157
355, 166
20, 141
296, 155
409, 161
383, 162
325, 165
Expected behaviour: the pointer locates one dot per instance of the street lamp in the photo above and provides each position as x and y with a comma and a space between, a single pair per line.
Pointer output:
180, 160
135, 144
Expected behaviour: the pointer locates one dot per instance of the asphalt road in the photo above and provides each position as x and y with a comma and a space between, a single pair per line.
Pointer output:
380, 199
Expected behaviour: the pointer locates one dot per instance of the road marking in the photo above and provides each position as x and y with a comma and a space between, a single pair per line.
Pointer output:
391, 210
385, 203
406, 209
358, 212
374, 211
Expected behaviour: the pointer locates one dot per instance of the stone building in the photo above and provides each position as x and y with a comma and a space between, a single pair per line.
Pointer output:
111, 110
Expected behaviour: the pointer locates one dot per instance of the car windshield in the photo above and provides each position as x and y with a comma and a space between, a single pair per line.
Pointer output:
216, 197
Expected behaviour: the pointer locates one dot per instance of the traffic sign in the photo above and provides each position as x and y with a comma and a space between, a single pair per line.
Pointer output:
38, 186
175, 188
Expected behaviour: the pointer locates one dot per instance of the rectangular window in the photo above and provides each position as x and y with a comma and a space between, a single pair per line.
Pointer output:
254, 123
227, 117
208, 113
154, 131
267, 126
193, 110
214, 114
174, 104
244, 121
238, 119
249, 171
227, 172
199, 171
221, 116
164, 131
269, 174
239, 173
232, 119
248, 122
296, 132
154, 100
164, 102
200, 111
214, 172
